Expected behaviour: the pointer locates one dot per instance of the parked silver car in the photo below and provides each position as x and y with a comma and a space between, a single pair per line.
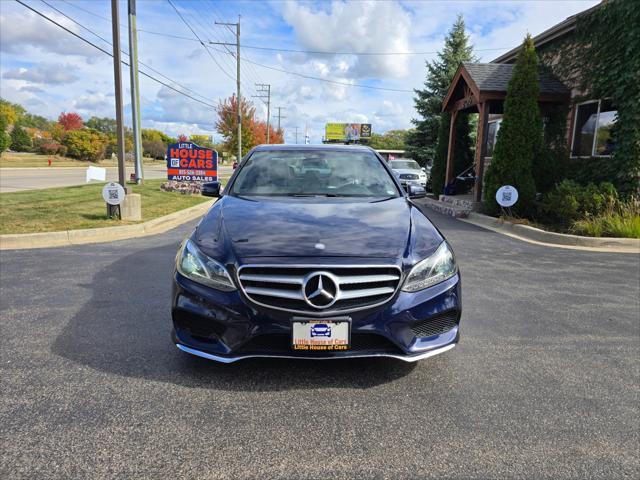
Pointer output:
408, 172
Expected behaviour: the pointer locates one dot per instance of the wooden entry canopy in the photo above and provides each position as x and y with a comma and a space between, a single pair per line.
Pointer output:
482, 88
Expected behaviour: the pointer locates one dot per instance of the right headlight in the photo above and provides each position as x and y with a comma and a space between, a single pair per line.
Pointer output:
432, 270
197, 266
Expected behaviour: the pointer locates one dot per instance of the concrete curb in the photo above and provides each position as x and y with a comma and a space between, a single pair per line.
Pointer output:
105, 234
552, 239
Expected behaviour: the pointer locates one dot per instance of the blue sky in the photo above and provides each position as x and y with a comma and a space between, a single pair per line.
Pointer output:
48, 70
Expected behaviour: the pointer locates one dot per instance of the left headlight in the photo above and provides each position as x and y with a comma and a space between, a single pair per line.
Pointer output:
197, 266
432, 270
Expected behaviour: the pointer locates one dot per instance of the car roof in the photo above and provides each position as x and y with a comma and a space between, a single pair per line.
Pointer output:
280, 147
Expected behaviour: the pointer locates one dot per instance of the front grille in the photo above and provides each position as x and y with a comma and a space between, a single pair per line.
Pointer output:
349, 288
409, 176
279, 344
437, 325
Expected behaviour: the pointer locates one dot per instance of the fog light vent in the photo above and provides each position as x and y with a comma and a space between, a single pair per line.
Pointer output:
436, 325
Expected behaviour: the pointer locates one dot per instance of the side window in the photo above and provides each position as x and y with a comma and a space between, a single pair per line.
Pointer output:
594, 121
606, 120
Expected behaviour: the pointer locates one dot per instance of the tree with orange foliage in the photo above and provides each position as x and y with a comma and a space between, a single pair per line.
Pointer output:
70, 121
227, 124
260, 134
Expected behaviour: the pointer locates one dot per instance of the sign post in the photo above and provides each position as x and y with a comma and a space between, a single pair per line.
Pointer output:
507, 196
113, 193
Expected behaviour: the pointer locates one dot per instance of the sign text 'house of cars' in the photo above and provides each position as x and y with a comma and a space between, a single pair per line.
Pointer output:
188, 162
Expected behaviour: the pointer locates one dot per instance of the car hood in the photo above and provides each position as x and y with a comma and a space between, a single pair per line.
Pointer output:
314, 227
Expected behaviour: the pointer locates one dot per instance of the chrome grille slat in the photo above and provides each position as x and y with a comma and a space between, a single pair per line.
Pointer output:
273, 279
272, 292
281, 287
365, 292
366, 279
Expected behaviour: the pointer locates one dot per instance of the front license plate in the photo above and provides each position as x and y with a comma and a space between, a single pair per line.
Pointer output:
321, 335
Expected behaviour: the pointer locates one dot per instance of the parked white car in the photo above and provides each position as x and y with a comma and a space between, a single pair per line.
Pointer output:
408, 172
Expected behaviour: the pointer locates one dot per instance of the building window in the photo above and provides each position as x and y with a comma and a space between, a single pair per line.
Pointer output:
492, 135
592, 129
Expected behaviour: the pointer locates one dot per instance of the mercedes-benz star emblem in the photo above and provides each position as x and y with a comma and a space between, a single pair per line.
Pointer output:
320, 290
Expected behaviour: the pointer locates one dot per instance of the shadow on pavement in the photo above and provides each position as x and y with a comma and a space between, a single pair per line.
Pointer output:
125, 329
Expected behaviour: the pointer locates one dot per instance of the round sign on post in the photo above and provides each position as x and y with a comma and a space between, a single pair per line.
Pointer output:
507, 196
113, 193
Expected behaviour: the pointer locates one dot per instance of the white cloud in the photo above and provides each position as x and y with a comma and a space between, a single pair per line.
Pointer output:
32, 31
93, 103
366, 26
52, 74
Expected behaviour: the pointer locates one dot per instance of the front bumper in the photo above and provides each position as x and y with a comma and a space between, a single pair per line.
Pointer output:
420, 182
226, 327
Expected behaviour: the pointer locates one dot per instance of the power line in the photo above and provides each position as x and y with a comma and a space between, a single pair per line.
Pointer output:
248, 71
111, 54
317, 52
200, 40
335, 82
323, 52
288, 72
109, 43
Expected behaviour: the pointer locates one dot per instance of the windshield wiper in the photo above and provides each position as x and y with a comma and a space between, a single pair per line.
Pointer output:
312, 195
383, 199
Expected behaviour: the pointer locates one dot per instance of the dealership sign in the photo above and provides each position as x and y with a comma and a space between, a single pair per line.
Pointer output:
347, 131
188, 162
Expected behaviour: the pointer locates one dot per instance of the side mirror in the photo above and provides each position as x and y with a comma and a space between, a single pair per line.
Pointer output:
211, 189
416, 191
424, 169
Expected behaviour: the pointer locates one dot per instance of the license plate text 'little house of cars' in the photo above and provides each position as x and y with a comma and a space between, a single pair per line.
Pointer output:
320, 335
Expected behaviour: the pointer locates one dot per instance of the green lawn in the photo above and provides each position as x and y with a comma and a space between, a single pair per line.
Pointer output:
28, 160
81, 206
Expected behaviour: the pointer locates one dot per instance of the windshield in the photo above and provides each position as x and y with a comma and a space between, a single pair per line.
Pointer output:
336, 173
410, 164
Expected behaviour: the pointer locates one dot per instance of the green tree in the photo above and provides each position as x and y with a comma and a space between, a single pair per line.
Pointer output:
86, 144
104, 125
520, 135
5, 140
157, 135
202, 140
20, 140
391, 140
35, 121
154, 148
423, 141
12, 112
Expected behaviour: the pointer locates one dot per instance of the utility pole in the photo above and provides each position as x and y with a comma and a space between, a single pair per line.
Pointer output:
265, 88
296, 134
280, 116
117, 77
237, 45
135, 91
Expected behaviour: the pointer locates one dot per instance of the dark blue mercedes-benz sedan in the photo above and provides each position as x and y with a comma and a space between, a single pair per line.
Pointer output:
315, 252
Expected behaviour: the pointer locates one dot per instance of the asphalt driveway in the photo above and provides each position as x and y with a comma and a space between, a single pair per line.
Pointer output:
544, 384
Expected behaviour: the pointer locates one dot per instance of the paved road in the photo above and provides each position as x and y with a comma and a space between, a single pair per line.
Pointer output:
16, 179
545, 383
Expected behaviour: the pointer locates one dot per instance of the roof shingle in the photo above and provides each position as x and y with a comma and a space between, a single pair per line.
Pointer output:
494, 77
